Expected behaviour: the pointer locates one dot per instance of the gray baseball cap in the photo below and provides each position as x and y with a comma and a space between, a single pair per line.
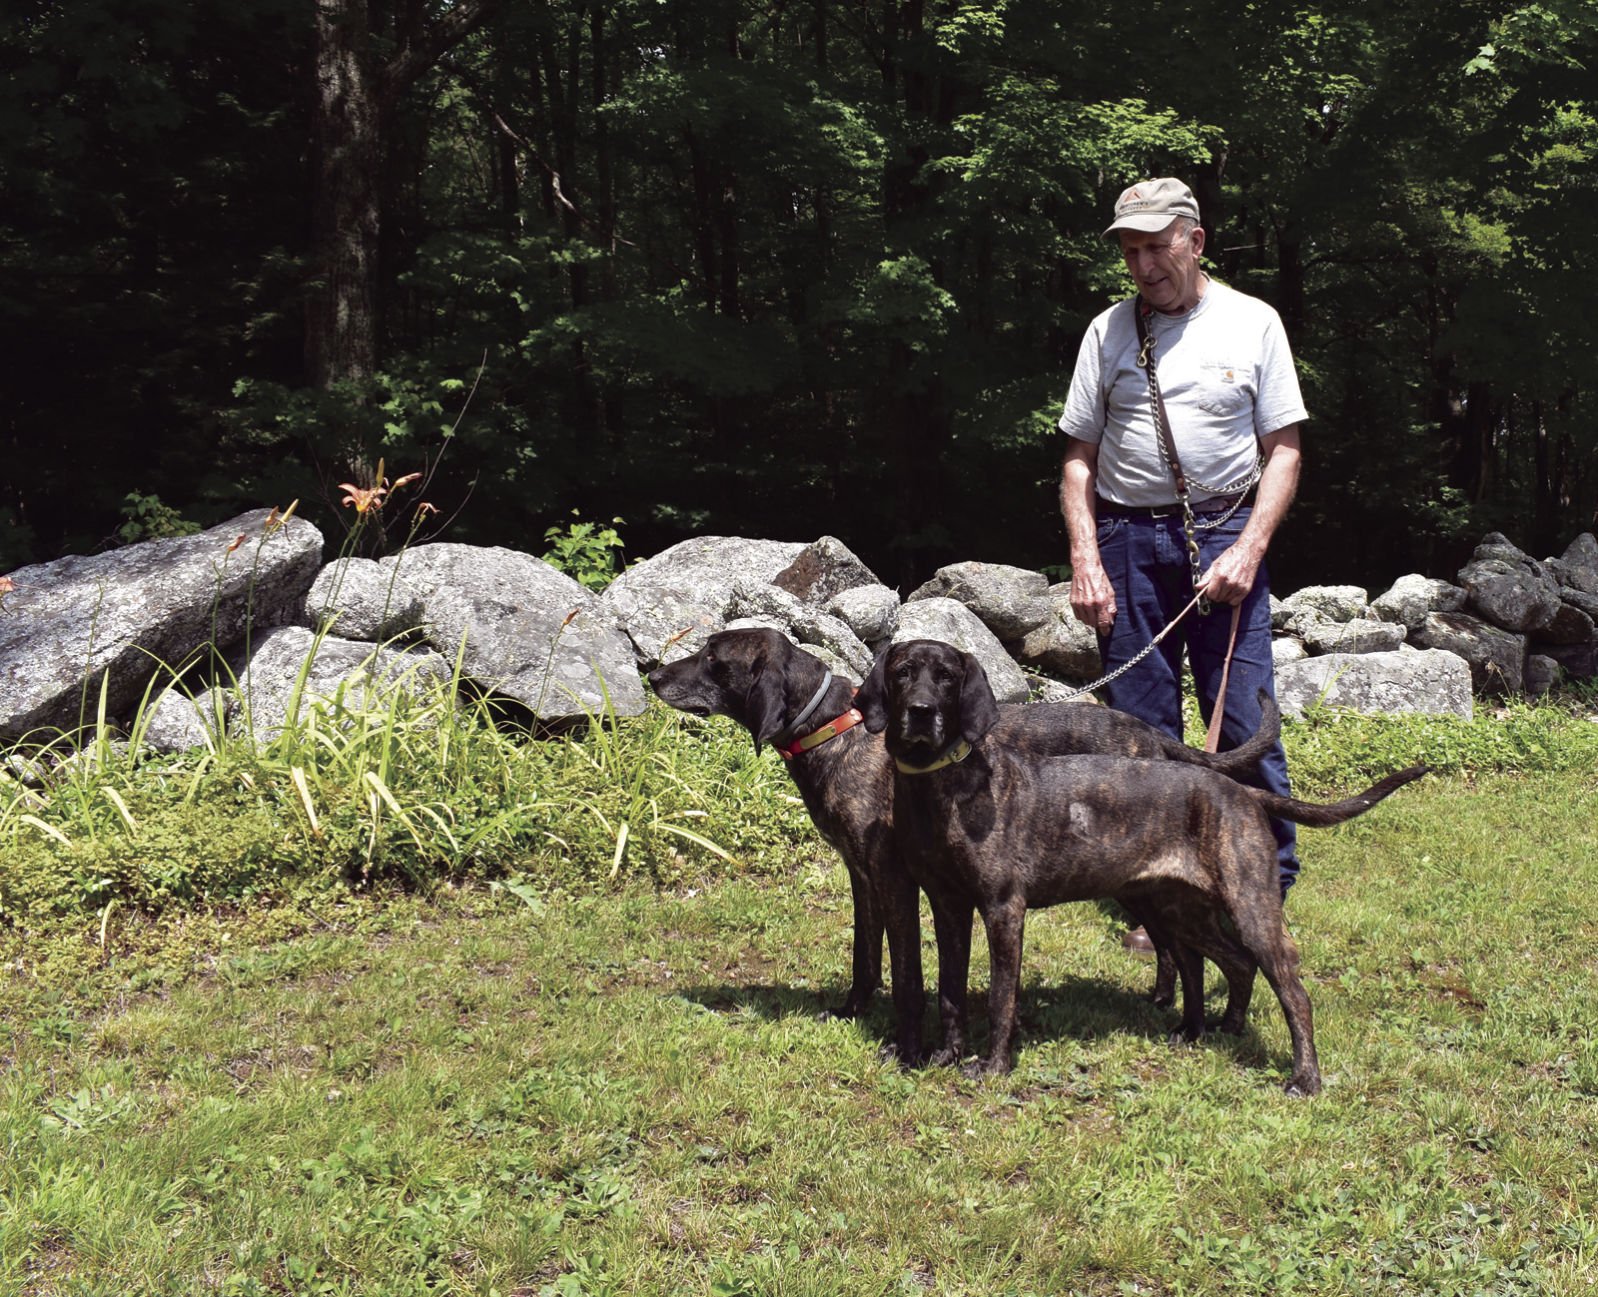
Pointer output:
1150, 205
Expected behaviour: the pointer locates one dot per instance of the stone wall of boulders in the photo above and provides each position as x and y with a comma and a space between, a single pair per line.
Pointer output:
138, 626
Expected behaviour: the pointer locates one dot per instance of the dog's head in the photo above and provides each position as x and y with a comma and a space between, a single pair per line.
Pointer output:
744, 674
923, 696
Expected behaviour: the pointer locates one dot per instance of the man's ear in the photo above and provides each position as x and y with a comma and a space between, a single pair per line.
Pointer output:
766, 703
872, 700
979, 710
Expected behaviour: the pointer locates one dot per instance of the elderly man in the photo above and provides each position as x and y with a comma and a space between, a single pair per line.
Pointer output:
1233, 407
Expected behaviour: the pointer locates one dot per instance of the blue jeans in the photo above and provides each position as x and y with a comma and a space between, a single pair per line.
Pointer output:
1146, 562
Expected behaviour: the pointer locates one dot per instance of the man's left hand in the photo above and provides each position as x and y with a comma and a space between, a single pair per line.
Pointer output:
1231, 576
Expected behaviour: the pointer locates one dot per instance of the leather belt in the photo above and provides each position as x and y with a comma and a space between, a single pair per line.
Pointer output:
1110, 509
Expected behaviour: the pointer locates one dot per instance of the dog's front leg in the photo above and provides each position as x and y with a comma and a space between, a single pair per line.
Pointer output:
1005, 923
866, 964
951, 923
900, 908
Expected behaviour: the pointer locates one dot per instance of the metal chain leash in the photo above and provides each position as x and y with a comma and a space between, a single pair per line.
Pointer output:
1138, 657
1145, 360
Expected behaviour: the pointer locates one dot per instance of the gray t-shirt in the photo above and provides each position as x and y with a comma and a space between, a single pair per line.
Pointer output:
1227, 377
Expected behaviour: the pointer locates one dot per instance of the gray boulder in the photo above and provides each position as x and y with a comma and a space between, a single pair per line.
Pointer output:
1434, 682
1578, 661
361, 599
807, 626
1010, 601
823, 570
1579, 563
175, 722
1411, 597
1570, 576
671, 604
1542, 674
1569, 625
127, 613
1332, 602
1361, 635
1497, 657
1287, 648
531, 633
870, 611
1301, 621
954, 623
1587, 603
358, 676
1061, 646
1519, 597
1496, 547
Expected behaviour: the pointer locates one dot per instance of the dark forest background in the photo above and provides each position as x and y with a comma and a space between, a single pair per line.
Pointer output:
781, 269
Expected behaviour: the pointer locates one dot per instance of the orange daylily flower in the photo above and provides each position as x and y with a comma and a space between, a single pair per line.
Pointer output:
280, 518
364, 498
241, 539
7, 586
369, 498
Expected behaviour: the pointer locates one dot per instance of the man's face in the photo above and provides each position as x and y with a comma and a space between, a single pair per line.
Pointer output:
1165, 265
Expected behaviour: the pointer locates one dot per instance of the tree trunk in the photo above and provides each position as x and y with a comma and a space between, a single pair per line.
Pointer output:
340, 308
356, 93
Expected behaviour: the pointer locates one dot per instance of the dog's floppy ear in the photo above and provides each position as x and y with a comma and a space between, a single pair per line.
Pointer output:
872, 699
766, 703
979, 710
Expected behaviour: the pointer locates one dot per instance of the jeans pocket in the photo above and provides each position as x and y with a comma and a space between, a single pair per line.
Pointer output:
1110, 527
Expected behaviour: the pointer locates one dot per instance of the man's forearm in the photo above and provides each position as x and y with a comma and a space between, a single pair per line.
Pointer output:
1078, 477
1278, 485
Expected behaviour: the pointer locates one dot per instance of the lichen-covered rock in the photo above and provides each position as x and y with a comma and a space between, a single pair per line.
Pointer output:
530, 633
953, 623
126, 615
1010, 601
669, 605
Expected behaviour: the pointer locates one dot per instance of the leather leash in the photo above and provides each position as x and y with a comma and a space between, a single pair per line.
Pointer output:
1212, 740
1145, 359
1141, 311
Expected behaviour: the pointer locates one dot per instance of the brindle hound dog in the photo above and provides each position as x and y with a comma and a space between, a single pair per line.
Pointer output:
788, 698
984, 825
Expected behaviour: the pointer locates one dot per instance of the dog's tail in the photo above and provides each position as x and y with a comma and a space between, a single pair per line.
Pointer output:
1238, 761
1242, 759
1320, 815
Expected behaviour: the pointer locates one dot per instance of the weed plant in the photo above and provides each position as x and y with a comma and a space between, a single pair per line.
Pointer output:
422, 789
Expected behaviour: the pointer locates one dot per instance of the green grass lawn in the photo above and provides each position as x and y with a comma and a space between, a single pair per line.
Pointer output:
629, 1091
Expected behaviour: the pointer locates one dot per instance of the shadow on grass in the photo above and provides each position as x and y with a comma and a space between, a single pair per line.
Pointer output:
1075, 1008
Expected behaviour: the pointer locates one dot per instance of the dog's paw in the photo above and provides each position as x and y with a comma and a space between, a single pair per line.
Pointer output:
907, 1056
944, 1057
856, 1003
1230, 1025
1185, 1036
1302, 1087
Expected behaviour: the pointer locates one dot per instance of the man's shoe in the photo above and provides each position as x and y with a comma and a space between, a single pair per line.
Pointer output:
1137, 941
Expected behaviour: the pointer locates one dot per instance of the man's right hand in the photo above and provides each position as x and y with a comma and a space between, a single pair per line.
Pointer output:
1092, 596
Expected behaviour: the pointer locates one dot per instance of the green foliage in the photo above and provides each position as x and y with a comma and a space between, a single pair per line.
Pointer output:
586, 551
745, 265
1333, 749
414, 791
149, 519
